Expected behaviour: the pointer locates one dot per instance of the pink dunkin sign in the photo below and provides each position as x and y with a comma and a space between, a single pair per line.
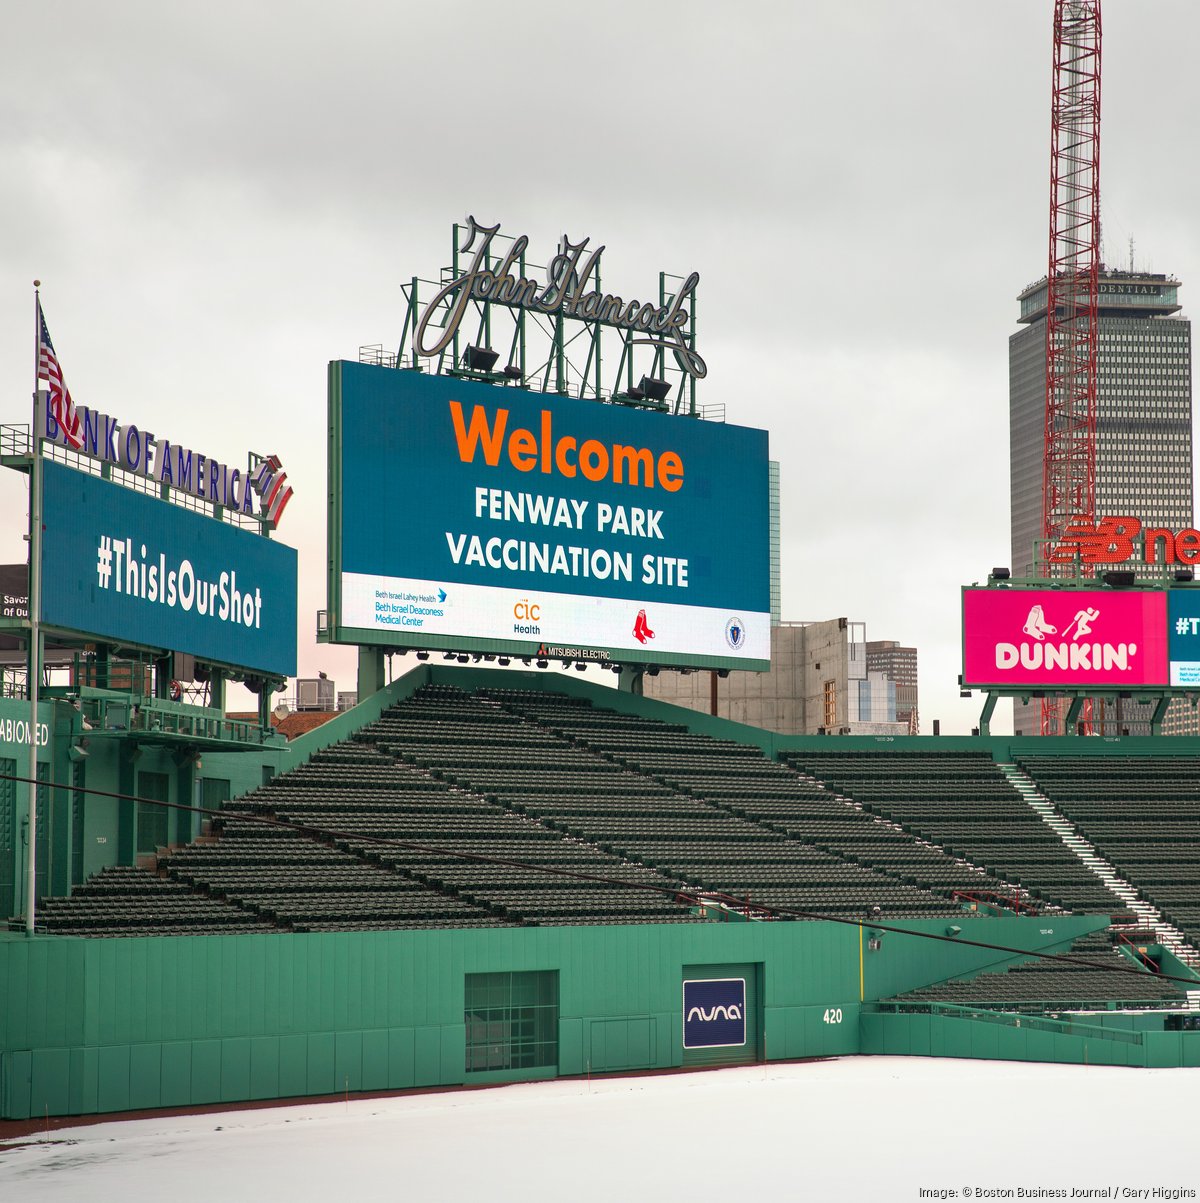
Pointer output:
1064, 637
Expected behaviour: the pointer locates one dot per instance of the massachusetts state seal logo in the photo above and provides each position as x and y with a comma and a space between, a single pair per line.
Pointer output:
735, 633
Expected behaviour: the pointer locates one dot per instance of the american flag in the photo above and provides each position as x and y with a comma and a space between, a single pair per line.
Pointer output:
61, 405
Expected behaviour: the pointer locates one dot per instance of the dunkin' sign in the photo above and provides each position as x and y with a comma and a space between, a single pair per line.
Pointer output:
1064, 638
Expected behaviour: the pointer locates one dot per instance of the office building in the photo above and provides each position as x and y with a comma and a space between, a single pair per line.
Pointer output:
1143, 426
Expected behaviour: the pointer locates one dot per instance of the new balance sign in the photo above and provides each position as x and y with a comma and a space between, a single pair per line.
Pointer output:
714, 1013
1117, 540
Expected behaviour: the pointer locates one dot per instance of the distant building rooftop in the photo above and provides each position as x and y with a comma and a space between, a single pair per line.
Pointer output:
297, 723
1122, 294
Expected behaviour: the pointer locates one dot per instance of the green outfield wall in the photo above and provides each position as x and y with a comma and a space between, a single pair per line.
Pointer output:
98, 1025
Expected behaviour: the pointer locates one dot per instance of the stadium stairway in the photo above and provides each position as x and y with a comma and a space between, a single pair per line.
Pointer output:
1146, 915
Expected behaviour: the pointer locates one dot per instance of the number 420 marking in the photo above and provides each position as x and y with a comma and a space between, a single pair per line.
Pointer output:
833, 1014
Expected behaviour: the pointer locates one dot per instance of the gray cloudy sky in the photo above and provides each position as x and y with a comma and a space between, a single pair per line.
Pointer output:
220, 198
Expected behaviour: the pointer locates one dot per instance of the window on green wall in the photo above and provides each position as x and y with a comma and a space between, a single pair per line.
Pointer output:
214, 791
511, 1020
151, 818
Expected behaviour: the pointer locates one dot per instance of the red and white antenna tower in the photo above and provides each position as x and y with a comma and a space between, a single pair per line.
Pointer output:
1072, 280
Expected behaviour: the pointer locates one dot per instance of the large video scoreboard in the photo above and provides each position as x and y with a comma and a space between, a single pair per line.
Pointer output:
466, 516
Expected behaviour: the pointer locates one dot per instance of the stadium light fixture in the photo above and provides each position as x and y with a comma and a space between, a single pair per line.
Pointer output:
449, 655
422, 655
1185, 574
580, 667
463, 657
480, 359
512, 372
654, 389
543, 664
1120, 580
964, 693
504, 661
1001, 574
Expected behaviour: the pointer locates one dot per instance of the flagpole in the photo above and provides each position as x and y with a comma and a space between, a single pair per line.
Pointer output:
35, 616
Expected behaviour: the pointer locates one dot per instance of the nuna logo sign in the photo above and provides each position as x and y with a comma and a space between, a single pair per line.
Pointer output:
714, 1012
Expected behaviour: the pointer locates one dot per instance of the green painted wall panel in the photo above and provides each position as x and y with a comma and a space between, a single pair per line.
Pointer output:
622, 1044
145, 1076
113, 1070
453, 1052
177, 1073
428, 1056
375, 1060
206, 1071
901, 1034
293, 1066
322, 1077
50, 1077
235, 1069
348, 1060
264, 1067
18, 1079
402, 1059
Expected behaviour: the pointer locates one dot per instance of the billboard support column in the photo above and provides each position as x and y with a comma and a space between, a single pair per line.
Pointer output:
630, 679
1160, 713
370, 671
985, 718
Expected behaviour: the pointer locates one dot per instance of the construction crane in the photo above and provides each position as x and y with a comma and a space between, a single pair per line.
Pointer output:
1072, 280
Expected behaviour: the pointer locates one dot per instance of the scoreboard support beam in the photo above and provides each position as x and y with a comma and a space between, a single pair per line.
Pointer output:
371, 667
985, 718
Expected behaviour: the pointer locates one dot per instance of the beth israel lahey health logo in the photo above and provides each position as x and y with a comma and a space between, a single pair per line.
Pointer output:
735, 634
714, 1012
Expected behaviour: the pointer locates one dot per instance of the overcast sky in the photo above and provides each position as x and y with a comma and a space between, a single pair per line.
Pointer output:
220, 198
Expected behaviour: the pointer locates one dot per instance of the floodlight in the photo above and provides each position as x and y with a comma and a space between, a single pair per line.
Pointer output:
512, 371
1000, 574
480, 359
422, 655
543, 663
1120, 580
654, 389
1185, 574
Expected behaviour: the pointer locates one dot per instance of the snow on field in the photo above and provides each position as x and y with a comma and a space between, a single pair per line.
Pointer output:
863, 1128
